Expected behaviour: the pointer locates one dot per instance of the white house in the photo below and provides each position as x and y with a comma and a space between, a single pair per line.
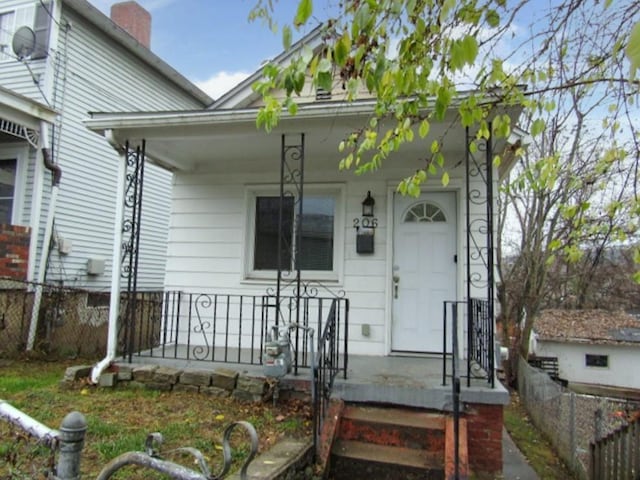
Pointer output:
60, 59
224, 210
265, 230
593, 347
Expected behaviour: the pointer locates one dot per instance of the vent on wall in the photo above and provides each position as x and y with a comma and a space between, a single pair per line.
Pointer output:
322, 94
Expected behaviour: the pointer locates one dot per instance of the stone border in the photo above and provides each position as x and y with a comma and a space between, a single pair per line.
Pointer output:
220, 382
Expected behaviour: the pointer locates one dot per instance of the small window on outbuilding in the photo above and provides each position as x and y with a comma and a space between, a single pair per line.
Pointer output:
592, 360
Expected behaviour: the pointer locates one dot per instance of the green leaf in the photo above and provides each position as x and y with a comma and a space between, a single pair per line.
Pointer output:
342, 49
286, 37
493, 18
469, 49
445, 179
305, 8
633, 49
324, 81
423, 131
537, 127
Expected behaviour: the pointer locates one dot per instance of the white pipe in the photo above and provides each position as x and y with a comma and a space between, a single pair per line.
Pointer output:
44, 257
116, 260
24, 421
36, 209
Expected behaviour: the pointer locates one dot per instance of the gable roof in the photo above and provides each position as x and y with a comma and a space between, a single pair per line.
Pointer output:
587, 326
120, 36
242, 95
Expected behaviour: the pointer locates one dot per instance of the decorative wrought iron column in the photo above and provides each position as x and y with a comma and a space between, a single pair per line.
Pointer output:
480, 252
135, 158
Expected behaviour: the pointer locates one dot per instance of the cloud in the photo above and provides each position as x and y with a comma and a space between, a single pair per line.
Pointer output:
221, 82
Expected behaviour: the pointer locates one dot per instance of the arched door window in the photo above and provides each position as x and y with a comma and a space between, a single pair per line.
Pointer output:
424, 212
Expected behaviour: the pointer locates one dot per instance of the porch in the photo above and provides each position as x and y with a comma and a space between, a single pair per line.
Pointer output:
210, 331
414, 381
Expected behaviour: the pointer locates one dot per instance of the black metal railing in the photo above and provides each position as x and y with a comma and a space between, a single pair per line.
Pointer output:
329, 362
617, 455
481, 341
232, 328
453, 308
480, 349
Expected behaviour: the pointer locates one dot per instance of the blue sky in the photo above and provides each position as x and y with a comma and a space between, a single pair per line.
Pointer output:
211, 42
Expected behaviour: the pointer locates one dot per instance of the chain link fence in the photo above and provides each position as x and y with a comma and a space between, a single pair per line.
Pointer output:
569, 420
70, 322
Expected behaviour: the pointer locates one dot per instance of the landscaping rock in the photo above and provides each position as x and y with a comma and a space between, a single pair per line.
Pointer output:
244, 396
181, 387
215, 392
224, 378
196, 377
124, 373
107, 380
166, 375
163, 387
254, 386
144, 373
73, 374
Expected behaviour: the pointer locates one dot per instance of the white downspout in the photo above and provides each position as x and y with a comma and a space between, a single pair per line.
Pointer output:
48, 229
116, 260
36, 209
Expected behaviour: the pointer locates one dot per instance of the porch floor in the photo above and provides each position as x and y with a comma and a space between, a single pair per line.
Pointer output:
400, 380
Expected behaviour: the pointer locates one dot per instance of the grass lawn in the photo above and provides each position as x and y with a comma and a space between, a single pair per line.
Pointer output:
532, 443
120, 419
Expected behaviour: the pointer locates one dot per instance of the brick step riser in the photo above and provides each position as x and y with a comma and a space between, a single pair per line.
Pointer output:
349, 468
417, 437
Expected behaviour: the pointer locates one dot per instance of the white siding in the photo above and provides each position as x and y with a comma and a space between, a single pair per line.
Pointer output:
208, 231
93, 73
571, 361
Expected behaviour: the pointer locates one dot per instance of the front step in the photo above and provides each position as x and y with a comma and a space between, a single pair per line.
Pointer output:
360, 460
388, 443
393, 426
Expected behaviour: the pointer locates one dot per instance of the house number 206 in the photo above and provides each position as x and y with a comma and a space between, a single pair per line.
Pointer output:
365, 222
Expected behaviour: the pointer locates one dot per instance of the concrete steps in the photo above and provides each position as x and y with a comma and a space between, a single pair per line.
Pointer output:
389, 443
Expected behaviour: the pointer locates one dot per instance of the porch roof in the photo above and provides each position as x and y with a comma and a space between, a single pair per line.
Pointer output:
215, 140
22, 110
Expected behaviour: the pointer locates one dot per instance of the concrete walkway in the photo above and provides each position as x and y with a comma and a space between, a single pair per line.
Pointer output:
514, 464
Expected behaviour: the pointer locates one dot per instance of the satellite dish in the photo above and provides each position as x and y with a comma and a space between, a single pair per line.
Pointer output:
24, 42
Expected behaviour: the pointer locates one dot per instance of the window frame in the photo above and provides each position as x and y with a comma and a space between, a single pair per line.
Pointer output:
7, 31
596, 358
336, 191
19, 153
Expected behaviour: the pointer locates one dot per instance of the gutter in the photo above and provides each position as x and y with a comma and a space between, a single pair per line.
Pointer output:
116, 261
56, 173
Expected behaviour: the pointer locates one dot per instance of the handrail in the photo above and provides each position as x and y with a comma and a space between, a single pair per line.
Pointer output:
325, 369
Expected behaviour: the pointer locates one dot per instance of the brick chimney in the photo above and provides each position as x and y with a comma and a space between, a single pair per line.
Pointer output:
134, 19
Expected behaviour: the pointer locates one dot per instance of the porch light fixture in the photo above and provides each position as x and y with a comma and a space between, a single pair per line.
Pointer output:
367, 205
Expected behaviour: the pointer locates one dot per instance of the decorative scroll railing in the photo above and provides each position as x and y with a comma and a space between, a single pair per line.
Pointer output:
232, 328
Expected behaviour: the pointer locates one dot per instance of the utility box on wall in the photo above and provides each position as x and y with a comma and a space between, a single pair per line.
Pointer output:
95, 266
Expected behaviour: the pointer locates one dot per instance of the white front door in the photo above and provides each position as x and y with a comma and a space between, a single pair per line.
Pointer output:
424, 269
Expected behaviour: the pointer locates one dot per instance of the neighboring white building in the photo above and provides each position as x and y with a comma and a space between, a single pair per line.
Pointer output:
77, 61
593, 347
